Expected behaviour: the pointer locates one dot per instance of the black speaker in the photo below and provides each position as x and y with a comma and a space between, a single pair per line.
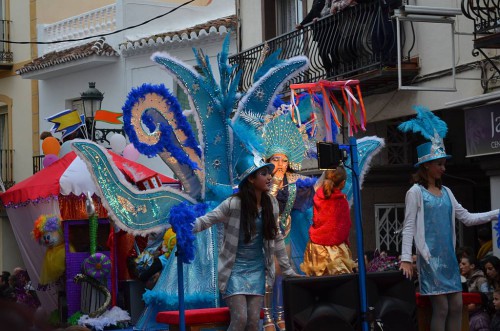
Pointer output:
392, 296
321, 303
330, 155
332, 302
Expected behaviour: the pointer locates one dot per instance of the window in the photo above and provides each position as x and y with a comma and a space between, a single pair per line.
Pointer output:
389, 220
281, 16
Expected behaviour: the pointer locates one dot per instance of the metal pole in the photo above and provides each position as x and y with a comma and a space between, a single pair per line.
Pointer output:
359, 233
180, 285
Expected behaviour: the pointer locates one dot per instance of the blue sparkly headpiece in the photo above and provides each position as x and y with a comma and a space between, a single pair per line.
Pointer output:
432, 128
281, 136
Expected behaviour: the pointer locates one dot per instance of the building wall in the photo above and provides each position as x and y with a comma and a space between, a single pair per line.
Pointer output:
56, 10
18, 92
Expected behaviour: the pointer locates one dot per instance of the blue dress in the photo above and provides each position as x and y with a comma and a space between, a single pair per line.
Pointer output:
248, 276
441, 275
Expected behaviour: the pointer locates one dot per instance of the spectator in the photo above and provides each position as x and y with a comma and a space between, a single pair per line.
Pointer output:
469, 268
4, 283
479, 319
320, 32
495, 321
24, 293
492, 269
485, 242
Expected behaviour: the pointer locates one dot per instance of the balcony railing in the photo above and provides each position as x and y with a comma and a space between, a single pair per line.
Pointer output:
98, 21
37, 163
6, 167
484, 13
6, 56
352, 42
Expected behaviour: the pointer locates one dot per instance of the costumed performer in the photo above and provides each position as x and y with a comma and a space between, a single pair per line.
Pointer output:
47, 231
251, 241
285, 148
327, 252
431, 209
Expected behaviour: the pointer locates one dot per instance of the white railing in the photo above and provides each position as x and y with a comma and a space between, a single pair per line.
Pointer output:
98, 21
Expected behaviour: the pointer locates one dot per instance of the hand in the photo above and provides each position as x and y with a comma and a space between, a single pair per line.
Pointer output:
298, 26
407, 269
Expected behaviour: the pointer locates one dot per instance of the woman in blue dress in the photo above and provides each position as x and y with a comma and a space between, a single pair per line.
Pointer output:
251, 240
431, 209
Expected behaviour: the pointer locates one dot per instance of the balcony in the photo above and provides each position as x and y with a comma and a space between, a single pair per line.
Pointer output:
486, 17
6, 56
357, 43
94, 22
6, 167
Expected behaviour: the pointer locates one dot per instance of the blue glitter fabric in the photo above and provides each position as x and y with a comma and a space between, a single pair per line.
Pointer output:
441, 275
248, 274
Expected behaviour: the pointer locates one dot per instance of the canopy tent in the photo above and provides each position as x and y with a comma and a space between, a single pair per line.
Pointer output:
58, 189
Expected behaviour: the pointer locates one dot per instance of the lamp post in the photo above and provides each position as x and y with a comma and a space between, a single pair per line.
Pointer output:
92, 99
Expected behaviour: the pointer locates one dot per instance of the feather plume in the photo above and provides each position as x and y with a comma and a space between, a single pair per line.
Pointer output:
426, 123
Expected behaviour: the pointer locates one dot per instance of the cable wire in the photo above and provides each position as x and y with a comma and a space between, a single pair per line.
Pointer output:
98, 35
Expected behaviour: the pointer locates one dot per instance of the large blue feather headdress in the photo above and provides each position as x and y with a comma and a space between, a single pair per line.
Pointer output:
433, 129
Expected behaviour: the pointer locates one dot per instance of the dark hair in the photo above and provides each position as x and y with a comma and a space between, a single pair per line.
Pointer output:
5, 276
472, 260
484, 233
495, 262
45, 134
422, 178
249, 211
333, 178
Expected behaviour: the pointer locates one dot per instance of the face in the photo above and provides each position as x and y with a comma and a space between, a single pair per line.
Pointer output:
436, 168
465, 267
491, 272
280, 162
262, 180
496, 300
51, 239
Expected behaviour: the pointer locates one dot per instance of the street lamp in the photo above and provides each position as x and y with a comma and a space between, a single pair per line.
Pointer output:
92, 99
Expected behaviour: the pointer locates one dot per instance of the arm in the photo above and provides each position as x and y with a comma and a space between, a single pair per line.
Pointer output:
282, 256
408, 232
220, 214
411, 207
341, 5
471, 218
315, 12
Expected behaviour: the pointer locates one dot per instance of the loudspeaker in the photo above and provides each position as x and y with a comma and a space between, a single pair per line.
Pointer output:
321, 303
330, 155
332, 302
392, 296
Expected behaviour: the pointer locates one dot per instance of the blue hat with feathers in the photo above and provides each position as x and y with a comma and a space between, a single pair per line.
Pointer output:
249, 164
433, 129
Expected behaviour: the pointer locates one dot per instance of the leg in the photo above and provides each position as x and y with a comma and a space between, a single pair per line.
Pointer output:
254, 303
278, 303
238, 311
454, 320
268, 309
439, 312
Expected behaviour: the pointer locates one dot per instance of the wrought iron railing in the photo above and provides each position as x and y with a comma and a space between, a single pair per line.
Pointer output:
7, 167
37, 163
484, 13
6, 56
356, 40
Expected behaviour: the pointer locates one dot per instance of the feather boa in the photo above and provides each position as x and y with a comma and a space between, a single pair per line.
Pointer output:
497, 229
182, 217
305, 182
137, 95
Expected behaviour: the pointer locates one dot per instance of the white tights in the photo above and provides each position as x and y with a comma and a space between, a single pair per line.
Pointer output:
244, 311
446, 312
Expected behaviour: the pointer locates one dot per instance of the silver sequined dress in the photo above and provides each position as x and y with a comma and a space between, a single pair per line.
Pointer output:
248, 275
441, 275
